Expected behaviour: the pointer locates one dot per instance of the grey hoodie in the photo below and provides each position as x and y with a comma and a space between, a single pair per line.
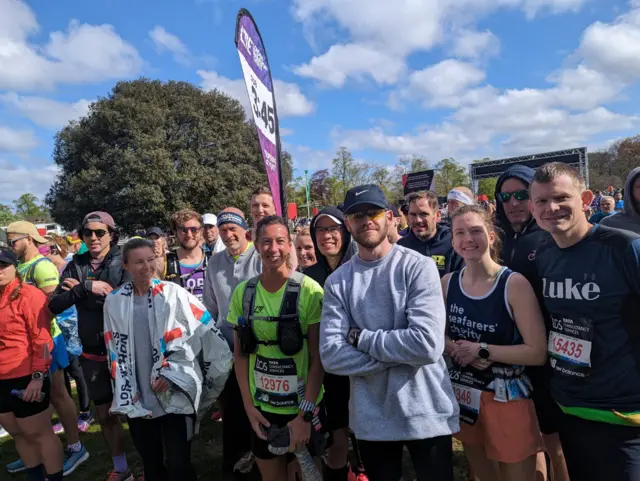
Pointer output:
400, 388
629, 218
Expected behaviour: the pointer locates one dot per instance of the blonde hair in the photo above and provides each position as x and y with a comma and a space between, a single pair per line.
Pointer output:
182, 216
494, 250
551, 171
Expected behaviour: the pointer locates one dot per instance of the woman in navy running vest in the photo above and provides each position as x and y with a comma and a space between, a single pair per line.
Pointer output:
494, 329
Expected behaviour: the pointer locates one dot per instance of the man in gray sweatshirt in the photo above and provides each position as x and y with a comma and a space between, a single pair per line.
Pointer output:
237, 263
629, 218
383, 325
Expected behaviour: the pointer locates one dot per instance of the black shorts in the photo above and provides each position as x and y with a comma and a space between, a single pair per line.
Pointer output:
98, 379
336, 398
21, 409
548, 412
260, 447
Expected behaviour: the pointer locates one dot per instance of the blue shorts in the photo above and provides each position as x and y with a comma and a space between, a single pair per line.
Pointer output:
59, 355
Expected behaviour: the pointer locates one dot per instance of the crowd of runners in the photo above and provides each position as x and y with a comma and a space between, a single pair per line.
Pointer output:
376, 327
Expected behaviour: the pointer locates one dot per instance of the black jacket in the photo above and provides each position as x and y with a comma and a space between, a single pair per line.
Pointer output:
88, 305
439, 248
321, 270
519, 248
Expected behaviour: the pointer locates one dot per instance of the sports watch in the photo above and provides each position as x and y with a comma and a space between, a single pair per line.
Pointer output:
483, 352
307, 410
37, 376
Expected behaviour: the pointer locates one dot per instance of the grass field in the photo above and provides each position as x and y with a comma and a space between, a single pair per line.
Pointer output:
206, 456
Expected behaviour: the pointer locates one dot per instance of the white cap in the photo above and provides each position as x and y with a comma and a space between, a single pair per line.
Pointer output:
460, 197
209, 219
334, 219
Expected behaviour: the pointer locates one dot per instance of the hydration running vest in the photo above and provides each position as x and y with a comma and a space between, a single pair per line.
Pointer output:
172, 268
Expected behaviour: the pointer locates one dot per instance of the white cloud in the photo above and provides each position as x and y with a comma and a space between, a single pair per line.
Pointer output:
46, 112
380, 29
15, 180
167, 42
352, 60
83, 53
306, 158
473, 44
14, 140
284, 132
441, 85
290, 101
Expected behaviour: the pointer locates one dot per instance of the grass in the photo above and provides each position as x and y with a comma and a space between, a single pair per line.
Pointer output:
206, 456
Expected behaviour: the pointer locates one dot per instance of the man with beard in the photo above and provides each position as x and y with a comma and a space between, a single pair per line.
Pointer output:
520, 240
211, 235
155, 235
428, 236
239, 262
591, 288
332, 242
629, 218
187, 265
85, 283
383, 325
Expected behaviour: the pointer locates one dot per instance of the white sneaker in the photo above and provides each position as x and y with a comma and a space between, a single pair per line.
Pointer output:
3, 433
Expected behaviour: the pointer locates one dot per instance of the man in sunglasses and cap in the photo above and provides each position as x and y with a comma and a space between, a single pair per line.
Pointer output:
520, 240
383, 325
85, 283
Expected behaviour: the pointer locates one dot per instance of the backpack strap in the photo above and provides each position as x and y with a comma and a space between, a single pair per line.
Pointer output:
30, 276
173, 268
249, 298
289, 306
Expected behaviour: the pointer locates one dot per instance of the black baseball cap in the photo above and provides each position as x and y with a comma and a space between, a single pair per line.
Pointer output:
7, 257
363, 197
154, 230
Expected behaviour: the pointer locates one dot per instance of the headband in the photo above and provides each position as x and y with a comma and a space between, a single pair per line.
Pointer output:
231, 218
73, 240
460, 197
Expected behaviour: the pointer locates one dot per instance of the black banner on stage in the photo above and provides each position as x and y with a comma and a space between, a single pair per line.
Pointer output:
417, 181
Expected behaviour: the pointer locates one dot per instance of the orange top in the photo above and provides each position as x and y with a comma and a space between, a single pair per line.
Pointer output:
25, 342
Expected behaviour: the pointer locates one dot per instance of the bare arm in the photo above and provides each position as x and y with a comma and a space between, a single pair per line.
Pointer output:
241, 366
449, 345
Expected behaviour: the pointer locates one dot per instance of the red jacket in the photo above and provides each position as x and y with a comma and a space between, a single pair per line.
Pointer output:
25, 341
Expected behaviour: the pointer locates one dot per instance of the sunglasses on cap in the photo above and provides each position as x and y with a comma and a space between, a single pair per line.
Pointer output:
11, 242
522, 194
193, 230
374, 214
100, 233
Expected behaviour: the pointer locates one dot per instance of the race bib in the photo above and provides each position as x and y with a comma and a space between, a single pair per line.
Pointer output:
276, 382
469, 401
570, 346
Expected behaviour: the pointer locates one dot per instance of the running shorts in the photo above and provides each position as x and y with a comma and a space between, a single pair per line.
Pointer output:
98, 379
508, 431
336, 398
21, 409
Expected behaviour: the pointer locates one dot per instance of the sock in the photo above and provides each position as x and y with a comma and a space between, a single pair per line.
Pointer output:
35, 474
75, 447
340, 474
120, 463
55, 477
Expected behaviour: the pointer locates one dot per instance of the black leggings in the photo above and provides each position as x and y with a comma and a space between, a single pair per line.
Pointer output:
164, 444
236, 429
74, 371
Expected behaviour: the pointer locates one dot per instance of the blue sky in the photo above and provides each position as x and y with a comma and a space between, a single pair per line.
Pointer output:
439, 78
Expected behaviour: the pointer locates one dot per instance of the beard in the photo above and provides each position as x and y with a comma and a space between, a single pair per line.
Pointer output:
372, 241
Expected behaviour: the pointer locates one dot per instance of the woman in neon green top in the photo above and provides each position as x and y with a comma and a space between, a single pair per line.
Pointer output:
278, 389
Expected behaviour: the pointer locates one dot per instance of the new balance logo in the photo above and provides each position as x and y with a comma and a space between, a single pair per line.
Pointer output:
568, 289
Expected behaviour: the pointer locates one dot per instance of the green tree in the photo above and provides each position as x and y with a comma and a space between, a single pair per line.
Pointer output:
449, 174
6, 215
348, 172
319, 186
488, 187
150, 148
27, 206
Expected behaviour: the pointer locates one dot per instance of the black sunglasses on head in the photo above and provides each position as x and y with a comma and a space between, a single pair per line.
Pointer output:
100, 233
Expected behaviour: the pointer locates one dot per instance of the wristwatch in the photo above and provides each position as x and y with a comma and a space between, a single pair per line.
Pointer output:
37, 376
307, 410
483, 352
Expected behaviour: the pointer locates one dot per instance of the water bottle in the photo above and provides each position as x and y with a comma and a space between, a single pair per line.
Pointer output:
19, 393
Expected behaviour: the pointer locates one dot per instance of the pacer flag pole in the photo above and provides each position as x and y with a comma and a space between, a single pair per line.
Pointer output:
257, 77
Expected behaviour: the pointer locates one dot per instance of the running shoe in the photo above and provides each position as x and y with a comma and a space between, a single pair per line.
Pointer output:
84, 421
3, 433
115, 476
245, 463
58, 428
74, 459
16, 467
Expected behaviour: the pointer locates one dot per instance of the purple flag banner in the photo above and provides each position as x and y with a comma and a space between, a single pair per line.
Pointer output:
257, 76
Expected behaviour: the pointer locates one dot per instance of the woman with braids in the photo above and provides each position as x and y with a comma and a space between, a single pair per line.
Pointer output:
25, 347
494, 329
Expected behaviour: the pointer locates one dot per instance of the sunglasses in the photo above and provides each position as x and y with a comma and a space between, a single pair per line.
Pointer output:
100, 233
193, 230
334, 229
11, 242
522, 194
371, 214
